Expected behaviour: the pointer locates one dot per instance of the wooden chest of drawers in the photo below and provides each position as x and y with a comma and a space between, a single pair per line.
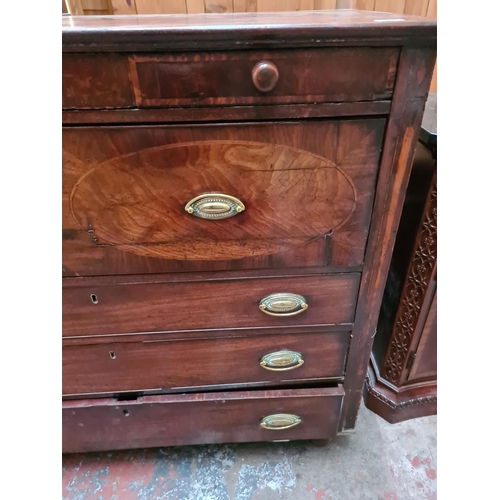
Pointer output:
231, 189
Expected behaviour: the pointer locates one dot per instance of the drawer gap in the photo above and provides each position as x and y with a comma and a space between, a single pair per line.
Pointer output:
129, 396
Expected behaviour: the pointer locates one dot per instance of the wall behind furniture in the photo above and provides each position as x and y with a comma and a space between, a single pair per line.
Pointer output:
426, 8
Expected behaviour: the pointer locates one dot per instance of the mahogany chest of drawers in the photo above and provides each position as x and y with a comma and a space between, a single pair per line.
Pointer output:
232, 185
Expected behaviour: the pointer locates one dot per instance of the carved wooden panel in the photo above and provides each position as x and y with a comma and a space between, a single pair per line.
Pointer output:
415, 289
424, 366
306, 200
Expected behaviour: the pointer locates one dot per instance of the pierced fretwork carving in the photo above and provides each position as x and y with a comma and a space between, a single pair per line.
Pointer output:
417, 281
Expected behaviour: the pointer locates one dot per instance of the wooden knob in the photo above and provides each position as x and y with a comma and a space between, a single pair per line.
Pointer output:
265, 76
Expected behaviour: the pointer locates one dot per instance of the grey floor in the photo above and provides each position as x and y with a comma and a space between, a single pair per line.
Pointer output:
379, 462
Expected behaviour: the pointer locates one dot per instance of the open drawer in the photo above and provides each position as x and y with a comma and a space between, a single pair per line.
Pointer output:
203, 418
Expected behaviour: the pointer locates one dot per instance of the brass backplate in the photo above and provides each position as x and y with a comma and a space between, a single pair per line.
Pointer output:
214, 206
280, 421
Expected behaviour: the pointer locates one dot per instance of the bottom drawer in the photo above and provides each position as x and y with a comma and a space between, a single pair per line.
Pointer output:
224, 417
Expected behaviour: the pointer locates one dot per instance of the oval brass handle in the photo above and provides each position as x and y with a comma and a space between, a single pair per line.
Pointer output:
280, 421
281, 361
283, 304
265, 76
214, 206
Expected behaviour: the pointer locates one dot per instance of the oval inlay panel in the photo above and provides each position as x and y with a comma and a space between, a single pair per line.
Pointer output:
136, 202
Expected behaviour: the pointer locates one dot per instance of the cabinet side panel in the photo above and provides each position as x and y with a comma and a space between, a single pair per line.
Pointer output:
412, 86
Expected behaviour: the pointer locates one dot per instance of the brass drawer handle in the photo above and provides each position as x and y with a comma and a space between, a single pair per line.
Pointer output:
280, 421
214, 206
281, 361
283, 304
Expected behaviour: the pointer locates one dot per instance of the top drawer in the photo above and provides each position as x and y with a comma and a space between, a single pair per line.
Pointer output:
240, 77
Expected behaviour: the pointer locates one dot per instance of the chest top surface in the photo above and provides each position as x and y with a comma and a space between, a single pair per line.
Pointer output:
241, 30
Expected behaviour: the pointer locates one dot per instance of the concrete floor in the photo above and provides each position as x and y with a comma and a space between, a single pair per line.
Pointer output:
379, 462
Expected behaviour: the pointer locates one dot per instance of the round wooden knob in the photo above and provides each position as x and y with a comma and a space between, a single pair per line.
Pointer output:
265, 76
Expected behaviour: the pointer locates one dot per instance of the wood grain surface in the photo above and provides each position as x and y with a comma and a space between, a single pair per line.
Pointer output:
412, 86
223, 114
159, 307
308, 200
164, 365
227, 417
244, 30
403, 379
89, 82
323, 195
226, 78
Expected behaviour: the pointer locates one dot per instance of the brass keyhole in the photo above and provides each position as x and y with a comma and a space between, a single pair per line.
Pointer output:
93, 298
112, 354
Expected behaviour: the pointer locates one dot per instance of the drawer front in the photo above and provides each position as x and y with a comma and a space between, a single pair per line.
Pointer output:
239, 77
157, 307
94, 81
218, 197
321, 75
162, 365
174, 420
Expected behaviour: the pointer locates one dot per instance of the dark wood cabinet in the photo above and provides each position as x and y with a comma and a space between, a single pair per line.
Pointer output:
231, 189
402, 378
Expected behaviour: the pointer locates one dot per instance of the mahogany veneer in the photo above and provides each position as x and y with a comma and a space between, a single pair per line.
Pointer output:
163, 365
156, 307
169, 420
232, 185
